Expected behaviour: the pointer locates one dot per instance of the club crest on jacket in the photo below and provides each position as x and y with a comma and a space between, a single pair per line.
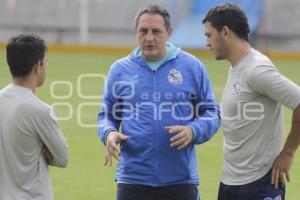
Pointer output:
175, 77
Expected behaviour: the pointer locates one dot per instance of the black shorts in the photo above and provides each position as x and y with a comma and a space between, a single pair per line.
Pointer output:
260, 189
173, 192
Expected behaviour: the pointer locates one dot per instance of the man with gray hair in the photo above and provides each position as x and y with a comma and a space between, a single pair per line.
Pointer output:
158, 104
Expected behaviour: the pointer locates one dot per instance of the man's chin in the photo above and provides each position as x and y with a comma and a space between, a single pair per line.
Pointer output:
150, 56
218, 57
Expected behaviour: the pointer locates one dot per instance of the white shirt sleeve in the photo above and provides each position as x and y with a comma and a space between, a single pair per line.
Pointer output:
49, 132
266, 80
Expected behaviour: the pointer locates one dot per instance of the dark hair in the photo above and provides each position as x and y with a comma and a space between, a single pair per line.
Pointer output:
229, 15
23, 52
154, 9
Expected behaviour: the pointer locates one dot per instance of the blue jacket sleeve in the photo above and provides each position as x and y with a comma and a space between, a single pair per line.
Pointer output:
108, 120
207, 112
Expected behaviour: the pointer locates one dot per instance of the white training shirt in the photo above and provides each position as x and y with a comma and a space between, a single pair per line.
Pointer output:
252, 119
26, 125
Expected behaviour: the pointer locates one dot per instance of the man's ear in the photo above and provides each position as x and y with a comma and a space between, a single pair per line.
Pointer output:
170, 31
36, 67
226, 32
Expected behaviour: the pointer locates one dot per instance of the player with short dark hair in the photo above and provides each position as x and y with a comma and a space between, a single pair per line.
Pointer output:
254, 165
30, 138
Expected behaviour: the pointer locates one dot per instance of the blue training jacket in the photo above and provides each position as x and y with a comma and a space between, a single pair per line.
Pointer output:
140, 102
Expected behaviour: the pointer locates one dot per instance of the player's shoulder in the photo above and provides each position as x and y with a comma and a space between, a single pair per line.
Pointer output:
260, 59
258, 63
190, 61
186, 55
120, 64
32, 105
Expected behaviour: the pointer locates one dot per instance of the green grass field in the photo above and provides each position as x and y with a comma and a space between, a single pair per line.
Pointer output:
86, 178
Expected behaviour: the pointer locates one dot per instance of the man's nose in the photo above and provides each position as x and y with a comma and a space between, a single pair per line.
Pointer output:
149, 36
207, 44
